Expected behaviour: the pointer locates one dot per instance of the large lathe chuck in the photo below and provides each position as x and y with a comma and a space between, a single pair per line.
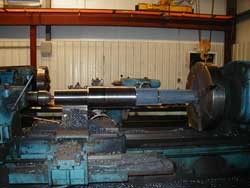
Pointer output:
206, 80
43, 79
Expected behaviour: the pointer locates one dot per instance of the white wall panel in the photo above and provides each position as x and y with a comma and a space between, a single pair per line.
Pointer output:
91, 60
68, 3
99, 4
241, 51
75, 61
219, 6
114, 71
122, 57
14, 53
107, 61
99, 60
243, 5
242, 31
84, 59
1, 3
205, 5
243, 27
129, 59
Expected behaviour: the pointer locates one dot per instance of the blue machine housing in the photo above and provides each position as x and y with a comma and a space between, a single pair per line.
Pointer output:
8, 116
13, 81
76, 150
138, 82
16, 76
70, 158
237, 84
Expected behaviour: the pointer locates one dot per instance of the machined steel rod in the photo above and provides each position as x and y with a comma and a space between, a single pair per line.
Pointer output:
123, 97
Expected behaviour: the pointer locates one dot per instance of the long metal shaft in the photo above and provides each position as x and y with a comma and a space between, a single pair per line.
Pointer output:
98, 97
122, 97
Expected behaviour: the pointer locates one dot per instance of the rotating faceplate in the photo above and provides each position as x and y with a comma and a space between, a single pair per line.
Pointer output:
206, 81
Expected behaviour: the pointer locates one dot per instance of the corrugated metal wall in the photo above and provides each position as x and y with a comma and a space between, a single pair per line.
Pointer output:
205, 5
14, 52
80, 61
99, 4
241, 51
243, 5
242, 31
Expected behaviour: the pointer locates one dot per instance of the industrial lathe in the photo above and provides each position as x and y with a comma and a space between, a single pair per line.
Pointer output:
67, 139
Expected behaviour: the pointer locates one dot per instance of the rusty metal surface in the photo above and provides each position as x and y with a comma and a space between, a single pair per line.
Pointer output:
75, 116
72, 134
133, 164
68, 151
168, 182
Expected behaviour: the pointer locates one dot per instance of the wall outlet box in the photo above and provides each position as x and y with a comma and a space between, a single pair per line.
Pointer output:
46, 48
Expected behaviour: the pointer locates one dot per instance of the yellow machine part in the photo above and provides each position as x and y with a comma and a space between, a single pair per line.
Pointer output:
166, 2
157, 7
205, 46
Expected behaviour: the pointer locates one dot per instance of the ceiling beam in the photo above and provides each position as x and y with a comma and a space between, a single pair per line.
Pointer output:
114, 18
